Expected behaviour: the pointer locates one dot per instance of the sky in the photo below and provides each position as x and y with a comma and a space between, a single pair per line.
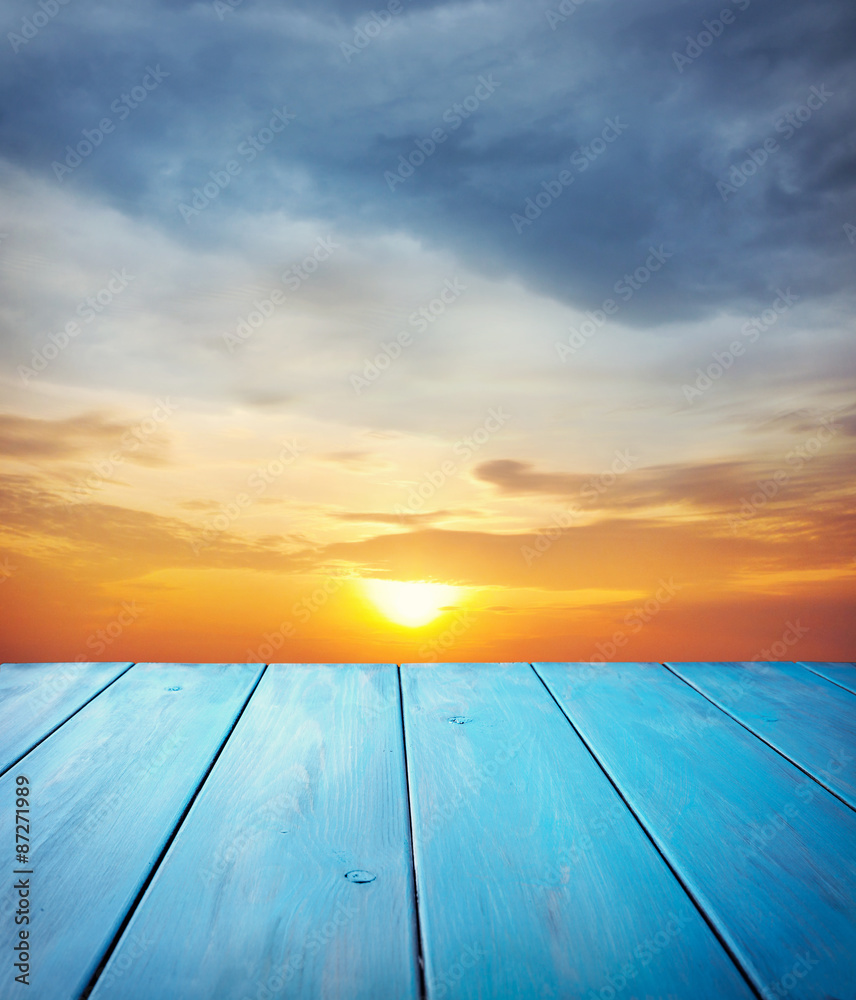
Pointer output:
487, 330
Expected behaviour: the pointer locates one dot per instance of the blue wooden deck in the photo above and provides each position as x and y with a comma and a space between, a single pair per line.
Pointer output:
454, 831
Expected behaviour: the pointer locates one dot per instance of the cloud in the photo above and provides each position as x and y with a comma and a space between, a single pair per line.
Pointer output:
113, 542
618, 555
655, 184
356, 461
87, 435
403, 520
513, 476
712, 487
645, 138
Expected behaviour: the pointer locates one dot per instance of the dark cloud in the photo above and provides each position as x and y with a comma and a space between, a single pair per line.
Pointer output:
655, 184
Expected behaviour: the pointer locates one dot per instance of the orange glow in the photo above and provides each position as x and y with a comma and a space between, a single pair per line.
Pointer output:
163, 565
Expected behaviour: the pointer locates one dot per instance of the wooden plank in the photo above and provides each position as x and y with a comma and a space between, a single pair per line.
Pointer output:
805, 717
767, 852
107, 789
254, 897
534, 879
843, 674
35, 698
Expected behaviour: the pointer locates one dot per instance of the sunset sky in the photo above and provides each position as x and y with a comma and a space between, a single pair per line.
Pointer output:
483, 330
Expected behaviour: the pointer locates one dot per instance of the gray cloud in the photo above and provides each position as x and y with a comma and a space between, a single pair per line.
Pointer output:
656, 184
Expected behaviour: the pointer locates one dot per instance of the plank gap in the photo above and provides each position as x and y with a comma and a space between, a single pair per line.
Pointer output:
105, 958
758, 736
423, 991
62, 722
812, 666
756, 988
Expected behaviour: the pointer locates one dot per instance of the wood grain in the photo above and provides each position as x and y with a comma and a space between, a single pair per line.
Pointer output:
253, 898
767, 852
804, 716
35, 698
534, 879
843, 674
107, 790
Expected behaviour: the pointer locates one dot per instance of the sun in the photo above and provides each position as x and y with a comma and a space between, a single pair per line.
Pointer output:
409, 604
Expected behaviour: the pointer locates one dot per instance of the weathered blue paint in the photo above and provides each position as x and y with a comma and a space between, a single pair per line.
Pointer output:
808, 719
107, 790
843, 674
291, 876
769, 854
652, 846
534, 879
35, 698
